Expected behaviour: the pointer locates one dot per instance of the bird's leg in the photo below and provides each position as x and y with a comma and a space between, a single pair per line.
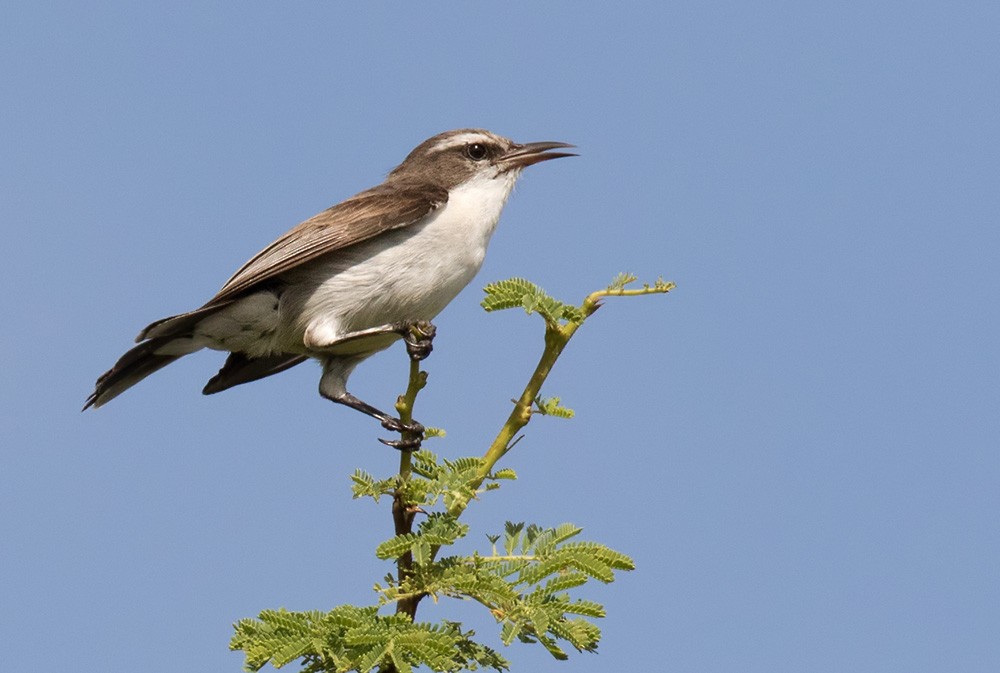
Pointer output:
418, 335
390, 423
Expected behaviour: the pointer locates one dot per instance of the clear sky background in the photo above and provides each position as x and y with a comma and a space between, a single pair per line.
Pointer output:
799, 446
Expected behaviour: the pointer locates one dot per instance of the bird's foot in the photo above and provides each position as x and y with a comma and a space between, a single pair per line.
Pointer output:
413, 434
419, 338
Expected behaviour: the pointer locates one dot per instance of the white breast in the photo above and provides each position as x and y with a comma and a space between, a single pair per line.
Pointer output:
408, 274
460, 231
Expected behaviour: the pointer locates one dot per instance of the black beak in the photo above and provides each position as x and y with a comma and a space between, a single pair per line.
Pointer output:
520, 156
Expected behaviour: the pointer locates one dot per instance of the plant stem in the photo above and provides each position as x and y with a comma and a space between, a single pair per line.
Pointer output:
557, 336
402, 514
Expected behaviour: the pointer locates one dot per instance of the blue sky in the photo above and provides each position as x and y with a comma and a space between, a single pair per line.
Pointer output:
799, 446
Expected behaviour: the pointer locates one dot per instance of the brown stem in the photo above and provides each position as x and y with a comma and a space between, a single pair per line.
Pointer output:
402, 518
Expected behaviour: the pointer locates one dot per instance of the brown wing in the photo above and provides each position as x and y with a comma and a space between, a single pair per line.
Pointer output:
391, 205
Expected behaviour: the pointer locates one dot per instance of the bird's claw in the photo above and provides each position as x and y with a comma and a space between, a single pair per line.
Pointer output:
419, 339
396, 425
413, 429
402, 444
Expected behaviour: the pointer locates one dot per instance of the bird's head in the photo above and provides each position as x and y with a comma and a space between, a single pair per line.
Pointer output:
456, 157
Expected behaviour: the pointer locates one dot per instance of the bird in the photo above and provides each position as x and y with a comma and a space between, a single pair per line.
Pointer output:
352, 280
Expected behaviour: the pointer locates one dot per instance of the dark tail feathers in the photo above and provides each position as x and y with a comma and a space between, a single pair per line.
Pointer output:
131, 368
241, 369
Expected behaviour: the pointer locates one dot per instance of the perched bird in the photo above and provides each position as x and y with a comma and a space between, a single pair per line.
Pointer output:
348, 282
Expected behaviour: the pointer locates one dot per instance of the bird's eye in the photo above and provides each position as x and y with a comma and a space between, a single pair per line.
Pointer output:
476, 151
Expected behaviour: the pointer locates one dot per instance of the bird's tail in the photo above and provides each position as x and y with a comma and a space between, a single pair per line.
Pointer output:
131, 368
171, 338
161, 343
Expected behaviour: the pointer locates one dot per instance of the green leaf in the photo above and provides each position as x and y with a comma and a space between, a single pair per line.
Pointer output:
593, 567
551, 646
396, 546
515, 292
421, 551
512, 536
370, 659
362, 480
442, 529
400, 663
509, 293
608, 556
550, 406
561, 582
508, 632
565, 531
580, 633
586, 608
620, 281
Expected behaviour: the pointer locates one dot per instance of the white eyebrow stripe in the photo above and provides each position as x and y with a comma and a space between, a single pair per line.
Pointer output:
460, 141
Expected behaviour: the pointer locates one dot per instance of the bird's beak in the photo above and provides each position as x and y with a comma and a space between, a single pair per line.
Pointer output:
520, 156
